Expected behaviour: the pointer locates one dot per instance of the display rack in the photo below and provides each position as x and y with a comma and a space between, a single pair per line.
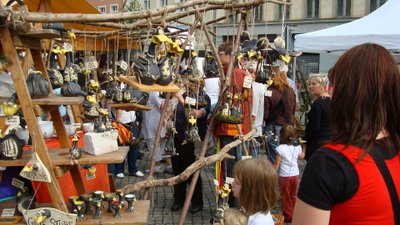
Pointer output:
54, 158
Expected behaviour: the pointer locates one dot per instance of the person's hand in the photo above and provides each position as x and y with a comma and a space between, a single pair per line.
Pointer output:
180, 97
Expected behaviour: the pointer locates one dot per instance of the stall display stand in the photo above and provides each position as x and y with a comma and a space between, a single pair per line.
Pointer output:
54, 160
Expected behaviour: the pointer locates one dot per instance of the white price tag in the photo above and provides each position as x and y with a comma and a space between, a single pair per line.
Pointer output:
68, 46
216, 183
12, 120
229, 180
246, 157
8, 212
190, 101
17, 183
248, 80
268, 93
123, 65
91, 63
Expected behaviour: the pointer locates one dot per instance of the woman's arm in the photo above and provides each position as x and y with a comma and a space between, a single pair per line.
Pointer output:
303, 151
278, 160
305, 214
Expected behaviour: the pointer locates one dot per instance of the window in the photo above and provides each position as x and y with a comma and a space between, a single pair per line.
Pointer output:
258, 13
102, 9
312, 8
343, 7
163, 3
374, 4
113, 8
181, 9
280, 12
146, 4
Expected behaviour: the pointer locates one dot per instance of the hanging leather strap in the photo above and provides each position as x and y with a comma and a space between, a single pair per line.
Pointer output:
376, 154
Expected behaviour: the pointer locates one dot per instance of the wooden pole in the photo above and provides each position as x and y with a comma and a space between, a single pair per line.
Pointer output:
161, 122
210, 127
87, 18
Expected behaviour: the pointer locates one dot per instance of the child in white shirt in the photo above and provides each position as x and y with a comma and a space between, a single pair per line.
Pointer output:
288, 170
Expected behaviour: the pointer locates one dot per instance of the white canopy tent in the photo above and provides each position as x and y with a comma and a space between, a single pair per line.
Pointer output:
380, 27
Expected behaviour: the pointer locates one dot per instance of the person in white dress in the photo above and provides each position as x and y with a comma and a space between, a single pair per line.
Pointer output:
288, 169
150, 122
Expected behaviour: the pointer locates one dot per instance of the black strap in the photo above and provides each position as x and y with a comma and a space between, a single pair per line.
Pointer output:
376, 155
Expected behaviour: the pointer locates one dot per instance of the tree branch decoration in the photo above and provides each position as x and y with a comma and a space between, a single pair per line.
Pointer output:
88, 18
200, 163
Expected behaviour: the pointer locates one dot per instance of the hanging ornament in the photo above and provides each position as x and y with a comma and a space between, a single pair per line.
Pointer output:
11, 147
231, 110
75, 152
192, 134
70, 86
56, 78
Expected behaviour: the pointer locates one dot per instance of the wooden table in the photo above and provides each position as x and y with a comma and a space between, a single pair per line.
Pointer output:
61, 157
138, 217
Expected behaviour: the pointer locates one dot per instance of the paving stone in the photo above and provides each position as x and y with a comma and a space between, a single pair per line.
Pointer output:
161, 197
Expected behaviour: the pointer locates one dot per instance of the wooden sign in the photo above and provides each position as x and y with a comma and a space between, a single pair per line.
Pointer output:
35, 170
48, 216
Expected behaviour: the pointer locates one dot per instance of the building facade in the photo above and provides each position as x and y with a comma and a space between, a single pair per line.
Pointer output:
269, 19
108, 6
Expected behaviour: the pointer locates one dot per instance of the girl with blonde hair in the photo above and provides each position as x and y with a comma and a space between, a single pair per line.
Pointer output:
256, 186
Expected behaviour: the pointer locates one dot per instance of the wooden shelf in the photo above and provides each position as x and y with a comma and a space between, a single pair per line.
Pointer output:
61, 157
148, 88
43, 34
130, 106
54, 99
138, 217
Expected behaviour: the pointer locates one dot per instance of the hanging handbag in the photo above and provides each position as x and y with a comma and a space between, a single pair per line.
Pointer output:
166, 70
11, 147
210, 66
146, 68
127, 94
38, 86
90, 107
117, 95
231, 110
71, 86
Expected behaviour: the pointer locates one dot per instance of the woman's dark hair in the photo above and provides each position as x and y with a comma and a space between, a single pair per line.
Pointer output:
366, 97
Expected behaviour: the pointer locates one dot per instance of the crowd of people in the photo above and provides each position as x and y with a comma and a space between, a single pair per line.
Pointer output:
352, 141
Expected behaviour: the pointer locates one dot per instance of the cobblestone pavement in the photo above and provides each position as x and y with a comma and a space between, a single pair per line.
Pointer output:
161, 197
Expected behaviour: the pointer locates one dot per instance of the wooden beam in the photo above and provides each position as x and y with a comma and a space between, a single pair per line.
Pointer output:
26, 105
86, 18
